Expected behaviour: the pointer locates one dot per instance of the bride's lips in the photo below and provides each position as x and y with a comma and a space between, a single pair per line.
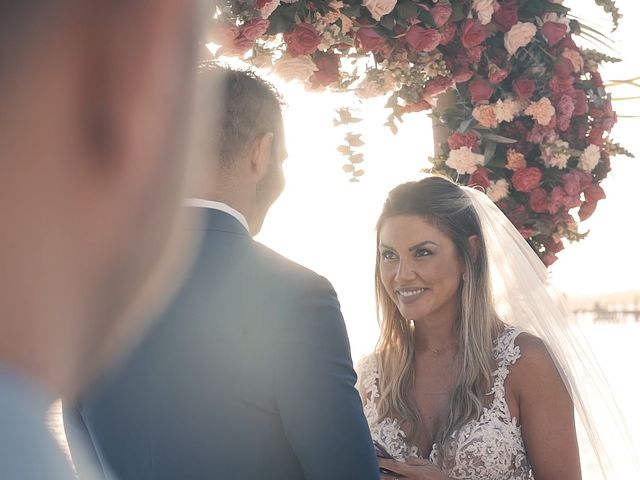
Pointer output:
410, 294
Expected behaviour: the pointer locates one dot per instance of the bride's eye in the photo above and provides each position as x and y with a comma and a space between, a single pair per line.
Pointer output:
423, 252
388, 255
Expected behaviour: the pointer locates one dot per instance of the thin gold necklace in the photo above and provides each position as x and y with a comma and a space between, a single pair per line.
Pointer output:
439, 351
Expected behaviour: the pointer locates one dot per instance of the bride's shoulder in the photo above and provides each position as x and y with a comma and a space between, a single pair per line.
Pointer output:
367, 364
535, 366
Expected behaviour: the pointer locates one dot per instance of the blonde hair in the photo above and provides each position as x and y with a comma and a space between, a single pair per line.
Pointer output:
446, 206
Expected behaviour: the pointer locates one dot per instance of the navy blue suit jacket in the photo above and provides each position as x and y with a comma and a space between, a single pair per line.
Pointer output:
248, 375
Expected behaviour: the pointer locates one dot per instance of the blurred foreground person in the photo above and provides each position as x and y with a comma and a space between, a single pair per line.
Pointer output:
95, 97
248, 375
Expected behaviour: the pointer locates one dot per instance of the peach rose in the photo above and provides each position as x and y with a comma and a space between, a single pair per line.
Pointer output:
542, 111
519, 36
379, 8
515, 160
486, 116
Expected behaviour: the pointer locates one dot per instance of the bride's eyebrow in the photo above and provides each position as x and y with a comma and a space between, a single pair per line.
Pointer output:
422, 244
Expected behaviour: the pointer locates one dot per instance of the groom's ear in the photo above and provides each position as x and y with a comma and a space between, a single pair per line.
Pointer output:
474, 247
260, 155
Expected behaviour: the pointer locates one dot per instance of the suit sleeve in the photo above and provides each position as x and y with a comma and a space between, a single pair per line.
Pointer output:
315, 389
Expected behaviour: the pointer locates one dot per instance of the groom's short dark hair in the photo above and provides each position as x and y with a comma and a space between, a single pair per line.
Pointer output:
252, 107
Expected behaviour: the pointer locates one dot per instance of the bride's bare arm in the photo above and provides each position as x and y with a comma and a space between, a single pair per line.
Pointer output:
545, 412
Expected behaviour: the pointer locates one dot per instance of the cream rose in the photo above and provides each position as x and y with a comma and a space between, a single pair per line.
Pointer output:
486, 116
507, 110
542, 111
498, 190
295, 68
575, 58
464, 161
379, 8
589, 158
519, 36
484, 9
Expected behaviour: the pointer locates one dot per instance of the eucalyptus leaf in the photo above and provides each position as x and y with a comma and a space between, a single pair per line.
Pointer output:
489, 152
498, 138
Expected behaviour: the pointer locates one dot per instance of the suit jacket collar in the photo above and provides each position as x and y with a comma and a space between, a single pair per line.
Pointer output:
218, 220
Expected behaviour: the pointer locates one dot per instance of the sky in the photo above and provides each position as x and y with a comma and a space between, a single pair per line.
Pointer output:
326, 223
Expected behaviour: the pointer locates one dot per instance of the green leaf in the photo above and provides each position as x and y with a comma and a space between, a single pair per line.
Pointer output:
388, 22
426, 17
406, 9
498, 138
489, 152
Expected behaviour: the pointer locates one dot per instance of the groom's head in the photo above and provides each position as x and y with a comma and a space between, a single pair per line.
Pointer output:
251, 147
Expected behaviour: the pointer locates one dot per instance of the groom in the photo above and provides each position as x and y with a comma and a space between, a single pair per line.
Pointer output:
248, 375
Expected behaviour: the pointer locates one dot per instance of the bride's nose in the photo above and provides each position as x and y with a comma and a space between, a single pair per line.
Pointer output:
405, 271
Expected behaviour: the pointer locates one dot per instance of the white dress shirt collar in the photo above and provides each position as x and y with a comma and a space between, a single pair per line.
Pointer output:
223, 207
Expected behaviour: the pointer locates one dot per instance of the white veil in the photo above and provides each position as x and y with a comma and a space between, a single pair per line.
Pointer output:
525, 297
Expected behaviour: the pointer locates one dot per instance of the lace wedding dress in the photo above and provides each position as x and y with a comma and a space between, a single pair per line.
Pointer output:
488, 448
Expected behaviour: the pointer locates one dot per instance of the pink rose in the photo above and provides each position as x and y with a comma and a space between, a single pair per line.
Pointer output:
565, 106
594, 193
447, 33
473, 34
554, 32
327, 73
480, 90
524, 87
480, 178
538, 200
507, 15
441, 14
496, 74
549, 259
369, 38
596, 136
526, 179
303, 40
571, 183
420, 39
580, 102
458, 140
255, 28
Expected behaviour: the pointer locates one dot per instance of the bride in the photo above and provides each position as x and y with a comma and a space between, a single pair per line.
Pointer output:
470, 379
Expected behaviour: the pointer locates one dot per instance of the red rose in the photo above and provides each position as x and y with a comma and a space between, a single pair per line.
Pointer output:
554, 32
596, 79
441, 14
580, 102
262, 3
369, 38
563, 67
507, 15
436, 86
496, 74
480, 178
586, 210
420, 39
538, 201
526, 179
447, 33
572, 201
556, 200
327, 72
474, 55
562, 85
419, 106
480, 90
594, 193
458, 140
303, 40
462, 74
254, 28
571, 182
596, 136
524, 87
565, 106
549, 259
473, 34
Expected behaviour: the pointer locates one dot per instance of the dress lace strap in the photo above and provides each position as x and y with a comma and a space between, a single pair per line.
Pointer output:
506, 353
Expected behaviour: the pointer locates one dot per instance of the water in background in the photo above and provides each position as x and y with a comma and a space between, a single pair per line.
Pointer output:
617, 347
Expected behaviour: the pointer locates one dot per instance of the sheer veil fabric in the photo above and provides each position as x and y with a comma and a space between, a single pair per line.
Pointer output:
525, 297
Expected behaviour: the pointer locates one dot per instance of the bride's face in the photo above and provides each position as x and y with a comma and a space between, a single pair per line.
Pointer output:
419, 267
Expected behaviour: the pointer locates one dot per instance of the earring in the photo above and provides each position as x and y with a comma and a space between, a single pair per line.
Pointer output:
464, 276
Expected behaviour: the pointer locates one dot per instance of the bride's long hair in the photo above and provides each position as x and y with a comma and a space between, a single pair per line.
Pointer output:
444, 205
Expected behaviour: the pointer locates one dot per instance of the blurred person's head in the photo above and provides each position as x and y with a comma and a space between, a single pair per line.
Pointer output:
247, 172
96, 99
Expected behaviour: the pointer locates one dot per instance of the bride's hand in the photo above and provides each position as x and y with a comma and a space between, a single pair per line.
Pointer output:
412, 469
